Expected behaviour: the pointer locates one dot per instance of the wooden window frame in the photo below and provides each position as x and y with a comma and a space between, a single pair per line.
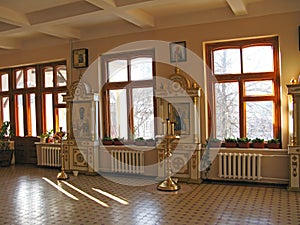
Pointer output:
39, 91
127, 85
241, 79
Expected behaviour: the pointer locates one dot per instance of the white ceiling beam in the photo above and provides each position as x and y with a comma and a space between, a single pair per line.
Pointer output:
9, 43
137, 17
238, 7
134, 16
59, 31
13, 17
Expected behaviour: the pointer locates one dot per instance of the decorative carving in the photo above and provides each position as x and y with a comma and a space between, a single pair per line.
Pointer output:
294, 165
179, 164
79, 158
79, 89
194, 160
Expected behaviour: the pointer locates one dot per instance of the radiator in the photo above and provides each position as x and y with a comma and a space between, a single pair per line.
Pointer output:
124, 161
50, 156
240, 166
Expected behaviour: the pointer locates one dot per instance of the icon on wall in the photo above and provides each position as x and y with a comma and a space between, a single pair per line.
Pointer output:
178, 51
80, 58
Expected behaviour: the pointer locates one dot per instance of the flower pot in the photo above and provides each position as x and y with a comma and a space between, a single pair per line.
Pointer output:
128, 142
118, 142
107, 142
274, 145
230, 144
6, 157
258, 145
214, 144
243, 145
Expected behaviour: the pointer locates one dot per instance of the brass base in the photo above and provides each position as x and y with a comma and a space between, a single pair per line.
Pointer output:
62, 175
168, 185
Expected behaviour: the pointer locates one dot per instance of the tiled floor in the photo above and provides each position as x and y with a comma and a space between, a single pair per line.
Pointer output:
28, 197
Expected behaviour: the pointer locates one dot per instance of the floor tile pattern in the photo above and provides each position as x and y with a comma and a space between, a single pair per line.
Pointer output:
26, 198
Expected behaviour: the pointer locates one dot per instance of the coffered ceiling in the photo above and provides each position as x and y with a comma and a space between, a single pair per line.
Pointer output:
25, 23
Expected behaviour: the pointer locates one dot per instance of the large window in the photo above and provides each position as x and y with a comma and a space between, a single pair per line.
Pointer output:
31, 98
244, 88
54, 84
128, 94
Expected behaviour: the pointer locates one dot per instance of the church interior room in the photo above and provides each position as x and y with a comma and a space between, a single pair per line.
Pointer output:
150, 112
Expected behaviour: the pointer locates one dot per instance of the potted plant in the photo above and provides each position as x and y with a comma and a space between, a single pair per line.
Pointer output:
230, 142
6, 146
258, 143
140, 141
5, 131
43, 137
150, 142
48, 135
118, 141
213, 143
243, 142
107, 141
274, 143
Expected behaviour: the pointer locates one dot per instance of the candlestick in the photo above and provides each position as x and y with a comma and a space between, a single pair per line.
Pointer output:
172, 128
168, 127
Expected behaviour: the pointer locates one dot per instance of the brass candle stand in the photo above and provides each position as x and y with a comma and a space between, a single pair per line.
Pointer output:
169, 184
62, 174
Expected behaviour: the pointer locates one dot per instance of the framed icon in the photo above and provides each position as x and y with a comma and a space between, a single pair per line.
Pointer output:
178, 51
80, 58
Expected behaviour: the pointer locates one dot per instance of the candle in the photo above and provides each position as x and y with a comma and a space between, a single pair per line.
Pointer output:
172, 128
164, 128
168, 126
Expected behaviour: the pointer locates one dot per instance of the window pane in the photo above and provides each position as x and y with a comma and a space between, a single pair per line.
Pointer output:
118, 113
143, 112
4, 82
259, 119
141, 69
62, 118
258, 59
32, 115
49, 111
31, 78
117, 71
60, 98
19, 79
61, 76
259, 88
20, 115
227, 61
227, 110
48, 75
5, 108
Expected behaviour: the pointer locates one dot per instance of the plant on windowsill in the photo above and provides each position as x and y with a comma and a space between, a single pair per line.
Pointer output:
107, 141
43, 137
47, 137
118, 141
213, 143
258, 143
230, 142
140, 141
243, 142
274, 143
6, 145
